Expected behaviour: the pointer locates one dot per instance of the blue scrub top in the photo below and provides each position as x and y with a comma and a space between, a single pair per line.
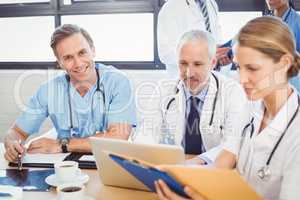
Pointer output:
88, 112
292, 19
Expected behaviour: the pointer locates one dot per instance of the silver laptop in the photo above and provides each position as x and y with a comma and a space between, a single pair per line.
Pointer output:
112, 174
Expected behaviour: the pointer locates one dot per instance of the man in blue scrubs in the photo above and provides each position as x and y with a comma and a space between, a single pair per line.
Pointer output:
87, 100
284, 9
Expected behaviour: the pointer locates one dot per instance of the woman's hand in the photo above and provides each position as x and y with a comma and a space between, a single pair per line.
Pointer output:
164, 192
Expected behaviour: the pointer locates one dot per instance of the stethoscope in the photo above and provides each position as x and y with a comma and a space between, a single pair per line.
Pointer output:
167, 137
285, 19
177, 91
265, 173
287, 15
99, 89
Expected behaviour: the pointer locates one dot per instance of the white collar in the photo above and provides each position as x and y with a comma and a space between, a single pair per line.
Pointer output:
282, 118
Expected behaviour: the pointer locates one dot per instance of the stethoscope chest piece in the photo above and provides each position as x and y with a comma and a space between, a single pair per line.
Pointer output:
264, 173
72, 132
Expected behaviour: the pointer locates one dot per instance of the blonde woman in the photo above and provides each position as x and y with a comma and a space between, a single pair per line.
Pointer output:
269, 159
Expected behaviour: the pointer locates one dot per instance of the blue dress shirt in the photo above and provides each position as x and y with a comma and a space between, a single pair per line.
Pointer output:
201, 95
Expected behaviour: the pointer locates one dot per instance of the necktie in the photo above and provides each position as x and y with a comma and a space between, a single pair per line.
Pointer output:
193, 140
204, 11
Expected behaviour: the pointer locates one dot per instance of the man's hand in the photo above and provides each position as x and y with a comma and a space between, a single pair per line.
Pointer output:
195, 161
13, 149
12, 143
115, 130
164, 192
44, 145
226, 160
222, 56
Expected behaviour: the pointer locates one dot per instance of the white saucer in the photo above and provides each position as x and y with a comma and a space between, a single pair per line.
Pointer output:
81, 178
86, 197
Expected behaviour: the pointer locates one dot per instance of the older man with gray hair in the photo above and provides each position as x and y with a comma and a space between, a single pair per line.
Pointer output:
207, 111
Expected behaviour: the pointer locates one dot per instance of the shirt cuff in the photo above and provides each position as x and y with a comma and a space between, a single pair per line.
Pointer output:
210, 156
205, 159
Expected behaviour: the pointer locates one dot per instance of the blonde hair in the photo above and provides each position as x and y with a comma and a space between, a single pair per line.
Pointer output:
272, 37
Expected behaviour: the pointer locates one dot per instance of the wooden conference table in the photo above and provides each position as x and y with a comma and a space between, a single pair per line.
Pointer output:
93, 188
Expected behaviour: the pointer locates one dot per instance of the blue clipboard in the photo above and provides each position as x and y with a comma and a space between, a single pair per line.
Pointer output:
147, 175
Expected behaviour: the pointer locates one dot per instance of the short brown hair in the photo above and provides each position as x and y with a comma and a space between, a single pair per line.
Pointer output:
270, 36
65, 31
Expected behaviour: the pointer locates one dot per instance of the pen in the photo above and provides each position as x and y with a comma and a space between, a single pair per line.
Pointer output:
20, 159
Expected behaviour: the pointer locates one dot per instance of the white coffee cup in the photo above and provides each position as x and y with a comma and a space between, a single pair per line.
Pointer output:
66, 171
70, 191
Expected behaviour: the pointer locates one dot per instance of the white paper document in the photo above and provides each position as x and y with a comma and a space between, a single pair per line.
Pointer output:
87, 158
44, 158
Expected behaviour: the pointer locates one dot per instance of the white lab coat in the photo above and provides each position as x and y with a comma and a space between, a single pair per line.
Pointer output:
230, 116
285, 164
177, 17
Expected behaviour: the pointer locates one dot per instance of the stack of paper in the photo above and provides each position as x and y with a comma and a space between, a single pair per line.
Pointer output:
10, 192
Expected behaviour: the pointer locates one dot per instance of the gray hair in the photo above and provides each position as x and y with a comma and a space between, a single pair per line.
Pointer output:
196, 35
65, 31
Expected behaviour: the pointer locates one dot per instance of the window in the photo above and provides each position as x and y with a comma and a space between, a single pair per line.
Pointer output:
85, 0
123, 31
119, 37
26, 39
22, 1
237, 20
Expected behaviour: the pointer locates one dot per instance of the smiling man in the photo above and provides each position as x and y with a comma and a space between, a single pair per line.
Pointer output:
87, 100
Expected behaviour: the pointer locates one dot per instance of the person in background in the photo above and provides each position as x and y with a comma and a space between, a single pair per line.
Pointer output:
284, 9
85, 101
179, 16
269, 159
